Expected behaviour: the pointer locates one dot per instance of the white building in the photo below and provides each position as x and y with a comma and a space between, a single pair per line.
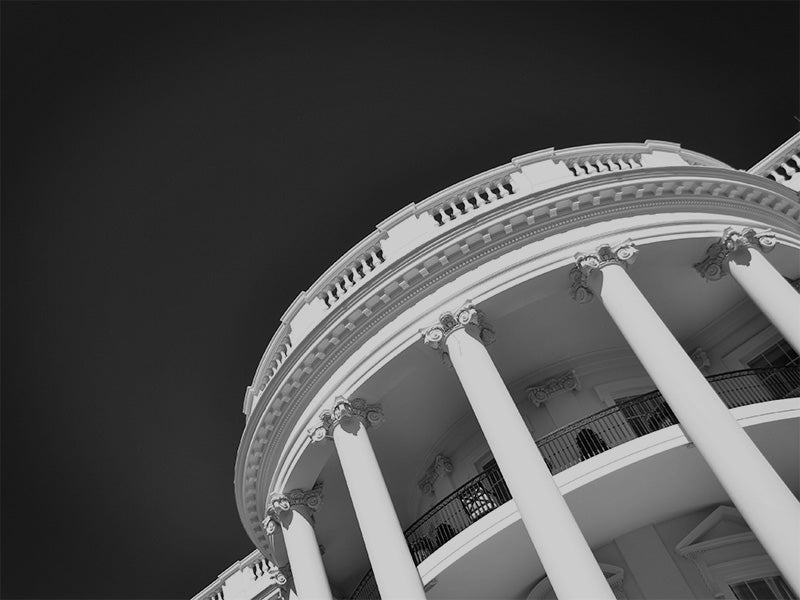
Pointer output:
573, 375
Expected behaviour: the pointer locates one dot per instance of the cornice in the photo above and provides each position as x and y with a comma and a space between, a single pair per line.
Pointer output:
578, 196
464, 244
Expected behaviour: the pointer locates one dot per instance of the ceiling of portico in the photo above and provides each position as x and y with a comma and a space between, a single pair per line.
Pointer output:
537, 325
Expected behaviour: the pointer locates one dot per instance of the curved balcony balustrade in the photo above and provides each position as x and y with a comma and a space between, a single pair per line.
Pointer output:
574, 443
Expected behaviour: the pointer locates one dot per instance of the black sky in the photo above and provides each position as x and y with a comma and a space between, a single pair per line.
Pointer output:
174, 174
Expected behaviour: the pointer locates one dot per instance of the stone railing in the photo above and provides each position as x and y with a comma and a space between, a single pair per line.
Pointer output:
470, 195
365, 263
248, 577
572, 444
602, 163
422, 222
782, 165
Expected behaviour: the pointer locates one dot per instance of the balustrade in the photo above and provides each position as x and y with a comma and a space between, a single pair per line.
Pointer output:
591, 165
463, 202
350, 276
575, 443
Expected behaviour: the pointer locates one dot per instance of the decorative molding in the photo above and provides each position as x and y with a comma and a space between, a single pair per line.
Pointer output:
297, 499
712, 267
539, 392
440, 465
700, 358
371, 415
579, 288
587, 201
622, 254
469, 318
280, 575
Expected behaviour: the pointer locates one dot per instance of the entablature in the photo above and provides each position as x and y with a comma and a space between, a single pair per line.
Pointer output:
475, 237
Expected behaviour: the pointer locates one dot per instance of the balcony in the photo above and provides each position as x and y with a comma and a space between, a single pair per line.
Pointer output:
573, 444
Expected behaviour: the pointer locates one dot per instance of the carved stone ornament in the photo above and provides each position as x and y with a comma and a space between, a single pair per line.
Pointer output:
712, 267
700, 359
621, 254
269, 523
294, 500
579, 287
440, 465
563, 382
468, 318
371, 415
280, 575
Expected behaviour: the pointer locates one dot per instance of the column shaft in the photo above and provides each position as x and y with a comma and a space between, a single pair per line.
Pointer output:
758, 492
565, 555
395, 572
305, 559
769, 290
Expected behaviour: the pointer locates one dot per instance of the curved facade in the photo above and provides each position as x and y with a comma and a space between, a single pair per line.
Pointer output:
573, 375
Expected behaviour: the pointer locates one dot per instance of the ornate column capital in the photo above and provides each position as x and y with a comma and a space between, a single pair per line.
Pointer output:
585, 262
712, 267
297, 499
371, 415
280, 575
440, 465
468, 317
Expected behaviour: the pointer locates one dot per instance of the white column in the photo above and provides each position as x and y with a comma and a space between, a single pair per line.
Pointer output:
755, 488
294, 510
741, 253
559, 543
395, 571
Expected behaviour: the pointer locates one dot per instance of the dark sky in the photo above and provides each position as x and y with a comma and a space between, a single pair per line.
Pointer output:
174, 174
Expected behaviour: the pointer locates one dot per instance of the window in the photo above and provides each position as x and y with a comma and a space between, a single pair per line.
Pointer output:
764, 588
778, 355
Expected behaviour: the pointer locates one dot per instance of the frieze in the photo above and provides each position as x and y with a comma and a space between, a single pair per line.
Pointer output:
541, 391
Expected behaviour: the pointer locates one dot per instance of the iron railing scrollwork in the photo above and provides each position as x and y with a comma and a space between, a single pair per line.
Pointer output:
574, 443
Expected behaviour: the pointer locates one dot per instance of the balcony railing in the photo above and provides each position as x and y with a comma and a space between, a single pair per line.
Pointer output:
574, 443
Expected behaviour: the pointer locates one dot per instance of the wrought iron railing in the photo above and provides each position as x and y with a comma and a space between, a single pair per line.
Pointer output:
574, 443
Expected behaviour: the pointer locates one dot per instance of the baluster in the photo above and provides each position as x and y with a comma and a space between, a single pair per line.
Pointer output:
776, 176
490, 194
623, 164
613, 163
589, 167
601, 165
478, 200
502, 188
632, 162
